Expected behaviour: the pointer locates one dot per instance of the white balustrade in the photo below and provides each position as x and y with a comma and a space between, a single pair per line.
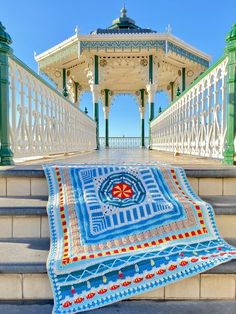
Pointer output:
42, 121
196, 122
123, 142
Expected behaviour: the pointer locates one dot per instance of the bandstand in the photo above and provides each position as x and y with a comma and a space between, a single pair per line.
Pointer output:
122, 59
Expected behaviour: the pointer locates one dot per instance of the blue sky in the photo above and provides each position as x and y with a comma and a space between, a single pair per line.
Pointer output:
39, 25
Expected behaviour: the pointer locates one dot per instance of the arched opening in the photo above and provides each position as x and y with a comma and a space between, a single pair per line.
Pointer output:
124, 123
124, 118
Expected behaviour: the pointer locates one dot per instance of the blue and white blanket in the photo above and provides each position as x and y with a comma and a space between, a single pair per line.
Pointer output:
119, 231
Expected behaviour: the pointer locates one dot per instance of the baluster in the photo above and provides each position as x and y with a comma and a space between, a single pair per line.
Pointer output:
197, 124
13, 107
223, 110
30, 137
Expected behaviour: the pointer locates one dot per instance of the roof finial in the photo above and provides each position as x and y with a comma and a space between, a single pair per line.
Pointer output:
123, 10
168, 29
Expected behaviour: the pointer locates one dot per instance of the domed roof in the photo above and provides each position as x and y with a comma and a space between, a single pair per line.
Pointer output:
123, 25
232, 34
4, 36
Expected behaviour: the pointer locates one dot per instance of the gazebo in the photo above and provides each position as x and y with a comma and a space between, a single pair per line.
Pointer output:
122, 58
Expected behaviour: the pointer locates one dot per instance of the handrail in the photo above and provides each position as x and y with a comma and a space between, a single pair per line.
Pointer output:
38, 77
191, 85
196, 122
41, 120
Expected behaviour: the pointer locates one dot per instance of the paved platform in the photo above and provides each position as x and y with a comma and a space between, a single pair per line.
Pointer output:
127, 155
136, 307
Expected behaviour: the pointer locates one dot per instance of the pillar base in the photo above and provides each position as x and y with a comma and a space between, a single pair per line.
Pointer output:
6, 156
229, 154
228, 158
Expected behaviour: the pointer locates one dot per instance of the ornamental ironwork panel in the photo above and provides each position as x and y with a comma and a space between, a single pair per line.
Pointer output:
196, 122
42, 121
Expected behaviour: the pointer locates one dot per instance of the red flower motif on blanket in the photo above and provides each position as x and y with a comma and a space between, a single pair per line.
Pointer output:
122, 190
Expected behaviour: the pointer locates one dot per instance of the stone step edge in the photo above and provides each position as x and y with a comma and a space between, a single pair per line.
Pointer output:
37, 172
40, 268
25, 206
199, 287
134, 306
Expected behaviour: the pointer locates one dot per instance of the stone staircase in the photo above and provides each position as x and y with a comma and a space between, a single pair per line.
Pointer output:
24, 237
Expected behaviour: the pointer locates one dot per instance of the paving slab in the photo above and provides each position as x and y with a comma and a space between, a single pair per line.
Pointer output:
136, 307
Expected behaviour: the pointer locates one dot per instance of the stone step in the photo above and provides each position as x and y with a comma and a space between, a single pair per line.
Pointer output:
28, 181
26, 217
28, 256
134, 307
23, 276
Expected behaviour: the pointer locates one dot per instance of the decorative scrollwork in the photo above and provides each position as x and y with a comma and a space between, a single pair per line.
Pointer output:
144, 62
103, 62
42, 121
196, 122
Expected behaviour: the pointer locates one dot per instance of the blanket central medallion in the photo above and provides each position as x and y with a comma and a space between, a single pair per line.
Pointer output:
114, 200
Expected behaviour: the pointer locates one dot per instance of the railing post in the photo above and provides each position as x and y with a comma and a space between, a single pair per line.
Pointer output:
6, 154
65, 91
95, 97
230, 50
106, 110
95, 89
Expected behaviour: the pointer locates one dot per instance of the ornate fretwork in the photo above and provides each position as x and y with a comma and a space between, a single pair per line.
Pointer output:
42, 121
123, 45
196, 122
133, 94
184, 53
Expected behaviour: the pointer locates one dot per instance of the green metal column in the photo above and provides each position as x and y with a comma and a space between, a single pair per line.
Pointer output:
76, 92
142, 118
106, 119
65, 92
96, 109
183, 79
171, 91
151, 105
230, 50
6, 154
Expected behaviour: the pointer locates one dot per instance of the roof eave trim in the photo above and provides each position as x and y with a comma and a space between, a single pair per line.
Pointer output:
56, 48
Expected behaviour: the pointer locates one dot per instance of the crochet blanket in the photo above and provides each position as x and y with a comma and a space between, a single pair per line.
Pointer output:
118, 231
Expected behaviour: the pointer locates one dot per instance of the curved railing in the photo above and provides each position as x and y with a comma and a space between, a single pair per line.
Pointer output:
195, 123
43, 121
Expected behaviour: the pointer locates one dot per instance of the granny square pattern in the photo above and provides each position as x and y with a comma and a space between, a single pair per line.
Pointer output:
121, 230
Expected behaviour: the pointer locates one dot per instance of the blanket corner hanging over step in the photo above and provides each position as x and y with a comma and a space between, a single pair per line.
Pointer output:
122, 230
